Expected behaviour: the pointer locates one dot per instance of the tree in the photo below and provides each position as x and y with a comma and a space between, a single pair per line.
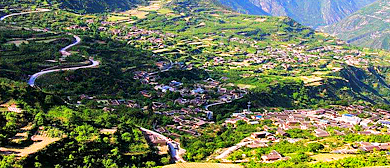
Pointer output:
38, 165
315, 147
150, 164
127, 137
40, 119
165, 160
83, 133
49, 99
9, 162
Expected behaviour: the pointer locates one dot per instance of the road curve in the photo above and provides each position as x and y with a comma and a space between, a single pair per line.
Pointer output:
64, 51
24, 13
33, 78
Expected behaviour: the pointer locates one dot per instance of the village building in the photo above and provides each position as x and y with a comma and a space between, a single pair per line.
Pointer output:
273, 156
351, 119
258, 135
321, 133
14, 108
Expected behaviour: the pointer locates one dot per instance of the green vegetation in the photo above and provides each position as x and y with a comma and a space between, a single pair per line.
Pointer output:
158, 71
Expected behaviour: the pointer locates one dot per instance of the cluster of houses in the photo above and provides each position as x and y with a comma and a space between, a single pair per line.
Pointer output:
351, 57
369, 147
319, 120
364, 146
286, 55
347, 117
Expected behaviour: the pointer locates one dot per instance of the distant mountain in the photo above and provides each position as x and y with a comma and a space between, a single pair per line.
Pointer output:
369, 27
313, 13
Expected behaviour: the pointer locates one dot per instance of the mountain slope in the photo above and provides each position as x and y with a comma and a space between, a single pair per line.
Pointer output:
245, 7
313, 13
96, 6
79, 6
369, 27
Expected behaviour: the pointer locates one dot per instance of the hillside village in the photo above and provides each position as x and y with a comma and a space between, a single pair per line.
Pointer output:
194, 94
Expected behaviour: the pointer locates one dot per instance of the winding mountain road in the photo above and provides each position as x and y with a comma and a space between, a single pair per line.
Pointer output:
228, 151
63, 51
24, 13
33, 78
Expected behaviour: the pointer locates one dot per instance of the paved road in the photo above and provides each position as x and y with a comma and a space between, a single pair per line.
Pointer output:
24, 13
32, 79
175, 153
64, 51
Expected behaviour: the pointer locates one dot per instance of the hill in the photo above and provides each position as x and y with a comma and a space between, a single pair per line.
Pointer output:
313, 13
98, 6
78, 6
165, 67
369, 27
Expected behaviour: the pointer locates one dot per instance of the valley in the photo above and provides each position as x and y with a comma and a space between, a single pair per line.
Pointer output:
187, 83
